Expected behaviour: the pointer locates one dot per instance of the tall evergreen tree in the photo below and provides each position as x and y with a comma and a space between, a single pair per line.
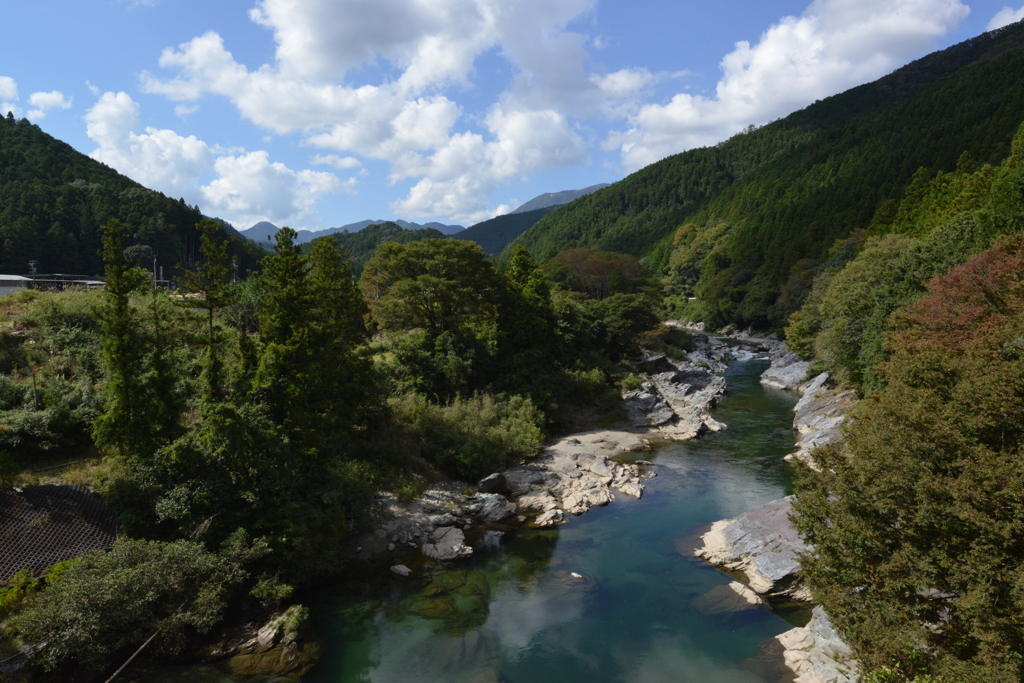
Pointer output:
126, 425
211, 280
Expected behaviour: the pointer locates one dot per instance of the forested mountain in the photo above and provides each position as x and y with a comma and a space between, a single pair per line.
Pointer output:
558, 198
739, 223
54, 200
264, 232
495, 234
362, 245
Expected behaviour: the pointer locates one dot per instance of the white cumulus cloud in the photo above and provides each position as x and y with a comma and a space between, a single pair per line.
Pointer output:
248, 187
334, 160
1005, 17
8, 96
251, 188
159, 159
834, 45
45, 101
406, 117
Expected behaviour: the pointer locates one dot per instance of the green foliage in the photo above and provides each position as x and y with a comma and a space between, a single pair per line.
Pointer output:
271, 592
110, 601
22, 588
436, 285
134, 422
670, 341
916, 525
844, 319
54, 202
598, 274
623, 317
849, 299
631, 383
362, 244
311, 319
789, 190
9, 469
211, 280
497, 233
472, 437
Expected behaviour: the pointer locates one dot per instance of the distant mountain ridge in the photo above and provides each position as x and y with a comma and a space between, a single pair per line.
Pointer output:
264, 231
549, 199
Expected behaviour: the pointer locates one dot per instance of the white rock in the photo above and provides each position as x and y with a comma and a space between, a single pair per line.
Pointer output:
447, 543
401, 570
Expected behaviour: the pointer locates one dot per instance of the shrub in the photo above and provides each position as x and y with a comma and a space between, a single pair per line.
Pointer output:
631, 383
671, 341
470, 438
113, 600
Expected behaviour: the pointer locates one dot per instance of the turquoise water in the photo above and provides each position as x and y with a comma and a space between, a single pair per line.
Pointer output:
516, 612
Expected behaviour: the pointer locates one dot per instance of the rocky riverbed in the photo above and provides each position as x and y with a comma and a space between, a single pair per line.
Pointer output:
573, 474
761, 544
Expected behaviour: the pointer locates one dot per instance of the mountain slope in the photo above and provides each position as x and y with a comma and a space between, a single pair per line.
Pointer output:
263, 232
495, 234
788, 190
55, 200
558, 198
361, 245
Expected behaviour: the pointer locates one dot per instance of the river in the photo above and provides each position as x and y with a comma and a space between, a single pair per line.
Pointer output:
607, 598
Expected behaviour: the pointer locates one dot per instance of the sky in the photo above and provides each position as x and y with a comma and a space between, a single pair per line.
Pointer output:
319, 113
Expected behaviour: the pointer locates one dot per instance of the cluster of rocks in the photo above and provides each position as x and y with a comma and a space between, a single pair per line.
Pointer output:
283, 647
570, 477
678, 396
435, 522
566, 481
810, 654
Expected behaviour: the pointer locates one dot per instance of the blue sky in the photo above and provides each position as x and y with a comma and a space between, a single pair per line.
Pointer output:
317, 113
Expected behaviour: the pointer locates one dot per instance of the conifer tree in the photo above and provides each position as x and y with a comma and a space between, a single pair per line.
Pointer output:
211, 278
126, 425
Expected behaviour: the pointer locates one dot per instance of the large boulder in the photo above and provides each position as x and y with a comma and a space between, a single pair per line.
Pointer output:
789, 372
763, 545
816, 653
284, 646
447, 543
492, 508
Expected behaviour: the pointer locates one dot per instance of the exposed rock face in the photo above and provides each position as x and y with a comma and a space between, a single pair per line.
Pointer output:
763, 545
819, 415
812, 654
284, 647
447, 543
787, 371
680, 394
563, 483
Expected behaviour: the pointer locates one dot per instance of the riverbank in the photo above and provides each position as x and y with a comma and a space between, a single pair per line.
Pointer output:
572, 475
614, 595
761, 544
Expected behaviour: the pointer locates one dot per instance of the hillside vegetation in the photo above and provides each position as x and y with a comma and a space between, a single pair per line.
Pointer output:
744, 226
54, 202
916, 520
496, 234
360, 246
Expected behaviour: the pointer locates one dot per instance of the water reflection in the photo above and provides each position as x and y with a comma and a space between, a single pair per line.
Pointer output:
615, 596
